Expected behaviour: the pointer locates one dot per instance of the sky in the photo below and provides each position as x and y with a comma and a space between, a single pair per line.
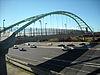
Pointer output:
16, 10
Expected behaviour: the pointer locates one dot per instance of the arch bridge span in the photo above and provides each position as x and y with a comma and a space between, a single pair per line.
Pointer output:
33, 19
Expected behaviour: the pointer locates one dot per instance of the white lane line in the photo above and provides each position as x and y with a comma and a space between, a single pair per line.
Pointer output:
78, 70
18, 57
47, 58
95, 49
87, 64
92, 65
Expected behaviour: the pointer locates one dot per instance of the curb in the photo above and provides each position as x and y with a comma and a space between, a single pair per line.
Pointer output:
29, 67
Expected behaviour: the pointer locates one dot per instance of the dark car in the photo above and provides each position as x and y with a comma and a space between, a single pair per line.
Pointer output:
71, 45
82, 44
22, 49
61, 45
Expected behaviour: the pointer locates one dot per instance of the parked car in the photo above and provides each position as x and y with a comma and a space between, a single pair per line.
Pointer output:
82, 44
71, 45
27, 44
66, 48
61, 45
22, 49
89, 46
33, 46
15, 47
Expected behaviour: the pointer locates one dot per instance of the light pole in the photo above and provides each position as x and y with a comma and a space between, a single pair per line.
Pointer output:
30, 31
45, 29
4, 25
0, 33
65, 28
93, 34
24, 33
33, 29
40, 26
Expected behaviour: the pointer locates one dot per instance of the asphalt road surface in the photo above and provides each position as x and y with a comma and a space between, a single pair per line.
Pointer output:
75, 62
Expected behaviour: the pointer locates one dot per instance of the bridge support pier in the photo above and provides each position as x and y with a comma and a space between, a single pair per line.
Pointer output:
3, 68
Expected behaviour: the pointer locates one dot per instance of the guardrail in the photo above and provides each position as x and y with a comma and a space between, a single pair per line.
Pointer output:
29, 67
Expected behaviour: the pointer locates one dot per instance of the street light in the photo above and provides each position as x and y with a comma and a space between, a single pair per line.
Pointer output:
0, 33
40, 26
45, 29
3, 24
65, 28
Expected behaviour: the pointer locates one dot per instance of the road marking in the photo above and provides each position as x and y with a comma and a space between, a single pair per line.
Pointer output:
18, 57
87, 64
68, 67
92, 65
47, 58
78, 70
95, 49
84, 63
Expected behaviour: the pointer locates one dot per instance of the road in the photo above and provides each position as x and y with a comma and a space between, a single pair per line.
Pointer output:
76, 62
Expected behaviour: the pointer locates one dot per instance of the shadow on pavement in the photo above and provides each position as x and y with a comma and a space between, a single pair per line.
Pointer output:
60, 62
80, 62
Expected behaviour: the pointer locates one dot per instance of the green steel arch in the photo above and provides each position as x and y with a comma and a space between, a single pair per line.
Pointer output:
31, 20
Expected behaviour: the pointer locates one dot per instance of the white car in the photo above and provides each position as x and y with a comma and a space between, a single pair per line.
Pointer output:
66, 48
49, 44
33, 46
27, 44
15, 47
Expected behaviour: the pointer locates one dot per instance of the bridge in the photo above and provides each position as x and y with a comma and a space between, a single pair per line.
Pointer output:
9, 34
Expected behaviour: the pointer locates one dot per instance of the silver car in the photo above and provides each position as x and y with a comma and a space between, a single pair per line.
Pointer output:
33, 46
66, 48
15, 47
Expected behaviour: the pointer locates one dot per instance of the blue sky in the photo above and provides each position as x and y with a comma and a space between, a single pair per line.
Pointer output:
15, 10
